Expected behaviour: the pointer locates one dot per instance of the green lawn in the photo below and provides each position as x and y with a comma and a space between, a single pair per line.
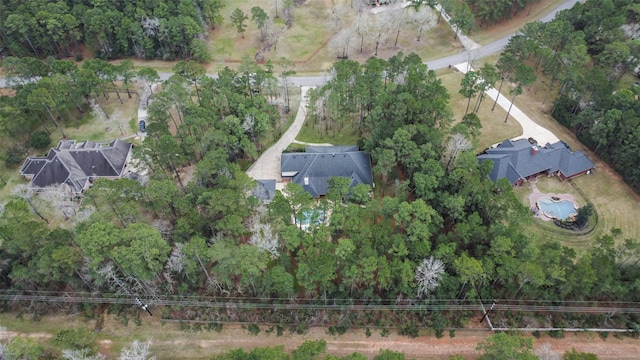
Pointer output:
345, 136
542, 231
494, 129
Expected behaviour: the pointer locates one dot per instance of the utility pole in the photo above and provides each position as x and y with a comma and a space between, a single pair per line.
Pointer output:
143, 306
493, 304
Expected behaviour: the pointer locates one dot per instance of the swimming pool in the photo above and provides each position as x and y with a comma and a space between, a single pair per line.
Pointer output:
307, 217
557, 209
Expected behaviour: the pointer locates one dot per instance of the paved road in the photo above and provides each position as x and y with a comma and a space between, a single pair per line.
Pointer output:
491, 48
434, 64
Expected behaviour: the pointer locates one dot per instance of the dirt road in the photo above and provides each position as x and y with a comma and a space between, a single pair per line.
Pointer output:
169, 342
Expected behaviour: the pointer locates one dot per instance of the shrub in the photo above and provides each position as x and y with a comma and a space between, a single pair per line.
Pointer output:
76, 339
253, 329
13, 157
217, 327
583, 215
337, 330
300, 329
410, 330
439, 322
556, 334
40, 140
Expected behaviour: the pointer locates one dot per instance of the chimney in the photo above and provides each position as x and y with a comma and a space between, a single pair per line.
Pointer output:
306, 181
534, 150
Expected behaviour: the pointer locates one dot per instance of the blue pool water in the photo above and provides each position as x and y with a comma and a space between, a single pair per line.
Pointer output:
558, 209
315, 216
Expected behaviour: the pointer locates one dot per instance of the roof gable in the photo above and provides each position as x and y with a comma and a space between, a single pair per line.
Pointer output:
91, 163
576, 163
265, 190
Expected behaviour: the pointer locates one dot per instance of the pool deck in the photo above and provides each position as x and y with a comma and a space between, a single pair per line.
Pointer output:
537, 195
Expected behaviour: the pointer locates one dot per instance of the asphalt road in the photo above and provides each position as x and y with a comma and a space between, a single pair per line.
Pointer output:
434, 64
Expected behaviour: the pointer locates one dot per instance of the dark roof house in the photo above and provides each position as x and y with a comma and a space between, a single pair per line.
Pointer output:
520, 159
73, 165
265, 190
318, 164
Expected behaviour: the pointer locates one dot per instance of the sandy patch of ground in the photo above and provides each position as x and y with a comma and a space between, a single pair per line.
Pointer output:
205, 345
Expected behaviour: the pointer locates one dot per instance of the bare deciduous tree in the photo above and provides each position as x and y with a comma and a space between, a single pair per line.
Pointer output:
82, 354
544, 352
456, 144
137, 351
338, 13
428, 274
384, 23
175, 263
363, 27
265, 239
126, 284
424, 19
340, 43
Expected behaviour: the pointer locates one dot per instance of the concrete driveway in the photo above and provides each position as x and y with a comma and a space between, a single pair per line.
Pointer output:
529, 127
268, 164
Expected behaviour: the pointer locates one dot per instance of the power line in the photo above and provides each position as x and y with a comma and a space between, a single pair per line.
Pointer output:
330, 304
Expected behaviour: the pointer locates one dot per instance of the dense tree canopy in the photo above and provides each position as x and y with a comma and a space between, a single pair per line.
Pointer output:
587, 61
144, 29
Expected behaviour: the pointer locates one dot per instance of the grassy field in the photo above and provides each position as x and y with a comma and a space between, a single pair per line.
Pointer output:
307, 41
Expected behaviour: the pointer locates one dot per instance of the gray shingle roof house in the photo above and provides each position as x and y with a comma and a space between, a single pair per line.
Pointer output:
265, 190
318, 164
521, 159
73, 165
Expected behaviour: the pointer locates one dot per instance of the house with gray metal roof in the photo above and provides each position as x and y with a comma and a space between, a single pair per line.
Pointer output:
522, 159
318, 164
74, 165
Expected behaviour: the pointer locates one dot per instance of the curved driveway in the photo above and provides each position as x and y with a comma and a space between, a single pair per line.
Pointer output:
268, 164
